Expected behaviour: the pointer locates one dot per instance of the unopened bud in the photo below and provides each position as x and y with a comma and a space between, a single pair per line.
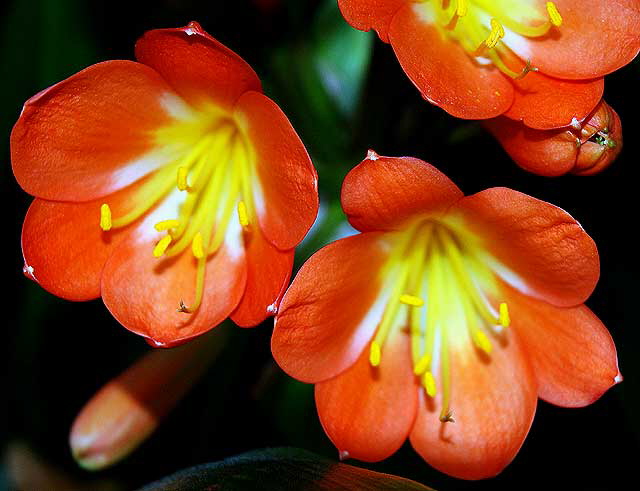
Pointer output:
122, 414
583, 147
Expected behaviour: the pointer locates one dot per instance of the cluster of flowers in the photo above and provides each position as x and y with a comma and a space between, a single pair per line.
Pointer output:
174, 189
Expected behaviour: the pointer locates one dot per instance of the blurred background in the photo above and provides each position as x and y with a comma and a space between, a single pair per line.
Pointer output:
344, 92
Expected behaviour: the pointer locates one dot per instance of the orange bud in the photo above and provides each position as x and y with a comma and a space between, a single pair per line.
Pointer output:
583, 148
124, 412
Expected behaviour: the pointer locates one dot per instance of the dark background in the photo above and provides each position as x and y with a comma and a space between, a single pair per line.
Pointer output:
59, 353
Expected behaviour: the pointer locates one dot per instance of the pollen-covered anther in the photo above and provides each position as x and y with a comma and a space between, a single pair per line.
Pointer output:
482, 341
422, 365
554, 15
105, 217
165, 225
182, 183
504, 319
411, 300
495, 35
461, 8
429, 383
375, 354
161, 246
243, 216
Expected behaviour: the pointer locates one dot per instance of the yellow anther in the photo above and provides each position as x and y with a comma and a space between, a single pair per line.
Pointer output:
166, 225
422, 365
375, 354
161, 246
482, 341
496, 34
242, 214
105, 217
411, 300
429, 383
197, 246
504, 320
182, 178
461, 8
554, 15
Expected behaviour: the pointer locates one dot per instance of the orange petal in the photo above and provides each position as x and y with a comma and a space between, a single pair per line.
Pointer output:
74, 141
544, 152
288, 200
543, 102
64, 247
551, 255
200, 69
444, 73
383, 192
330, 311
367, 412
493, 401
571, 351
595, 38
144, 293
370, 14
268, 273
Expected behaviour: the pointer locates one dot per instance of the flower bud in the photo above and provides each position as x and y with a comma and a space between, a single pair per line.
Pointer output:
124, 412
585, 147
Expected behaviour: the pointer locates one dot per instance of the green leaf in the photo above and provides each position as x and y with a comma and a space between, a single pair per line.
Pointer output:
281, 469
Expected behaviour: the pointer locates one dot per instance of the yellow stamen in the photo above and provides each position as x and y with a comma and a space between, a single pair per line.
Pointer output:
461, 8
242, 214
182, 178
504, 319
161, 246
496, 34
166, 225
411, 300
554, 15
375, 354
482, 341
105, 217
429, 383
197, 246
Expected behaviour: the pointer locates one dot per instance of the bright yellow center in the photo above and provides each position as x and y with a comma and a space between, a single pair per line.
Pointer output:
211, 182
484, 28
439, 285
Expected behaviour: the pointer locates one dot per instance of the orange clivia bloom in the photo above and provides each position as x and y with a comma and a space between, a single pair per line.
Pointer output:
584, 148
534, 61
444, 320
172, 187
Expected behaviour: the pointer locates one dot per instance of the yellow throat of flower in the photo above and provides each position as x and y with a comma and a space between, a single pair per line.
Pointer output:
439, 285
484, 28
211, 182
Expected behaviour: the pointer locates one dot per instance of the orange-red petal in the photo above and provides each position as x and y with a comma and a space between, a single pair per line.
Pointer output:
595, 38
329, 313
367, 411
444, 73
381, 193
287, 201
493, 401
551, 255
198, 67
74, 140
371, 14
543, 102
268, 273
144, 293
571, 351
64, 247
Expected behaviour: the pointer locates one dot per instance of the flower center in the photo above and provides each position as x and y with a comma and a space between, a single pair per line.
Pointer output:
208, 184
440, 286
485, 28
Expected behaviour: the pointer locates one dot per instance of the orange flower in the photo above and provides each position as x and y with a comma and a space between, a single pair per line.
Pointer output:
444, 320
534, 61
583, 148
172, 187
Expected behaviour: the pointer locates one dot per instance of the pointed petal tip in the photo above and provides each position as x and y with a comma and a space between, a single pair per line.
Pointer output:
343, 455
372, 155
617, 379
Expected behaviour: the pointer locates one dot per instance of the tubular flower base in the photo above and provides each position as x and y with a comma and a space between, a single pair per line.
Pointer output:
584, 148
172, 187
534, 61
444, 320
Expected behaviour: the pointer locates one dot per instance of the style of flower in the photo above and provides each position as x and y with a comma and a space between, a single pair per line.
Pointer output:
534, 61
172, 187
444, 320
583, 148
